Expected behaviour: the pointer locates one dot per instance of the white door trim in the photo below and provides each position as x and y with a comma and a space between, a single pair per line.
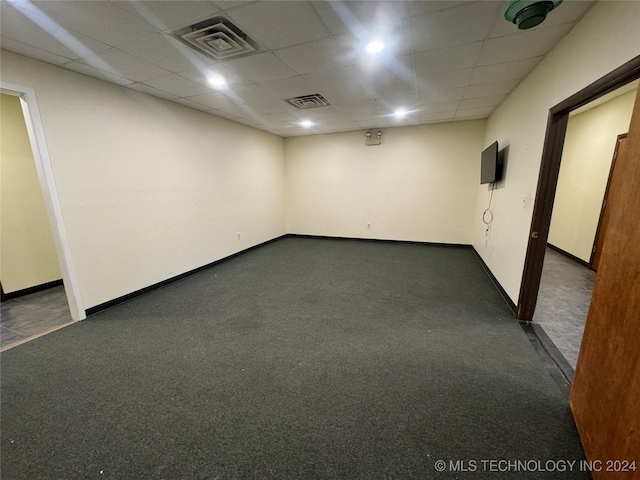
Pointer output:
46, 176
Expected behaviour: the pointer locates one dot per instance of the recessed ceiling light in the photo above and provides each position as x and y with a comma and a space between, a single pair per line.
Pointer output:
400, 113
306, 123
375, 46
217, 81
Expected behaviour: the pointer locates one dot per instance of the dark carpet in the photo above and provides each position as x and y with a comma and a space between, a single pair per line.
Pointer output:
302, 359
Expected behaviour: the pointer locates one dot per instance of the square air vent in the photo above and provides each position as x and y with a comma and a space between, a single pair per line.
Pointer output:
308, 101
217, 38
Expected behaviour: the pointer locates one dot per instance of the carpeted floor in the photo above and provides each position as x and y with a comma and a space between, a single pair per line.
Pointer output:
302, 359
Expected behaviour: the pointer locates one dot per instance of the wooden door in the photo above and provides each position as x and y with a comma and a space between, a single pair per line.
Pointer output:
605, 398
603, 223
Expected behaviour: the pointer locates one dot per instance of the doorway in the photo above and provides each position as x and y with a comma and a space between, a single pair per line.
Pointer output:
548, 179
37, 261
579, 218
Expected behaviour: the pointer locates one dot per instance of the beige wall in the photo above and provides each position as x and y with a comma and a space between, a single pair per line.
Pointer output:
419, 185
150, 189
586, 161
607, 37
28, 255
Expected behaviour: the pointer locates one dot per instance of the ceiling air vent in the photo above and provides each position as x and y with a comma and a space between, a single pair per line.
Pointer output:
308, 101
217, 38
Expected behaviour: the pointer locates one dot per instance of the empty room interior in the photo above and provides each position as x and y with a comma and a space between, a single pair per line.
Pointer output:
320, 239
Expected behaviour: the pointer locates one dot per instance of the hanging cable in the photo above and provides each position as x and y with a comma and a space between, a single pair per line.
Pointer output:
487, 215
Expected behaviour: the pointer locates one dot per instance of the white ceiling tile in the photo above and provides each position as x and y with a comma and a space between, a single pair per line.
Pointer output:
234, 111
385, 69
98, 19
420, 8
371, 115
357, 106
404, 122
503, 71
393, 88
436, 117
251, 94
464, 24
317, 113
569, 11
439, 107
33, 52
359, 18
490, 89
166, 52
472, 113
447, 59
395, 35
525, 44
314, 56
326, 119
261, 67
34, 29
453, 79
393, 102
333, 79
178, 86
279, 24
169, 15
274, 106
480, 102
345, 126
346, 94
257, 118
201, 75
441, 95
141, 87
289, 87
230, 4
375, 122
213, 100
120, 63
90, 71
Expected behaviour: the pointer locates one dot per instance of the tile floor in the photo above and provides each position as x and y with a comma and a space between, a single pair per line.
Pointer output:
563, 302
32, 315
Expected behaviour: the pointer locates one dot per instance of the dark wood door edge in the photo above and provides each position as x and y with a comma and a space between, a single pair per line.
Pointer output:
604, 199
548, 178
542, 210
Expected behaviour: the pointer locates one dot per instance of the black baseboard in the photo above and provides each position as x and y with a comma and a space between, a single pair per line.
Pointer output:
378, 240
496, 283
554, 361
569, 255
26, 291
155, 286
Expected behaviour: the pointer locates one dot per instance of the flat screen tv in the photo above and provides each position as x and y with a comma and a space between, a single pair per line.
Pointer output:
490, 170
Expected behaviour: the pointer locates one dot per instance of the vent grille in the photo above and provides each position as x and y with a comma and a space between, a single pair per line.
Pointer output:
217, 38
308, 101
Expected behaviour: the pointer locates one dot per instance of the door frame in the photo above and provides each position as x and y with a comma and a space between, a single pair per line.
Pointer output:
604, 199
46, 177
548, 178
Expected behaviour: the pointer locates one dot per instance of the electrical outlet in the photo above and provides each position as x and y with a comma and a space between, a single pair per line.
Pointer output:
238, 235
368, 225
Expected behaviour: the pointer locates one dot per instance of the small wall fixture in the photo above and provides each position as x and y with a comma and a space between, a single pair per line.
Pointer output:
372, 137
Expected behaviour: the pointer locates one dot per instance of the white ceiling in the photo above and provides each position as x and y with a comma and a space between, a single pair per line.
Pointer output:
443, 60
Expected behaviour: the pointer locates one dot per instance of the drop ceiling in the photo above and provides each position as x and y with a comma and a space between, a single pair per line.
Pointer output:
442, 60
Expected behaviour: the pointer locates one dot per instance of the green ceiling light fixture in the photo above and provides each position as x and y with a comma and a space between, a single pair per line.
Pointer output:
529, 13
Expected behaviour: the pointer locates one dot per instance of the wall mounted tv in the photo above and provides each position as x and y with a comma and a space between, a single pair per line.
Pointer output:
491, 166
